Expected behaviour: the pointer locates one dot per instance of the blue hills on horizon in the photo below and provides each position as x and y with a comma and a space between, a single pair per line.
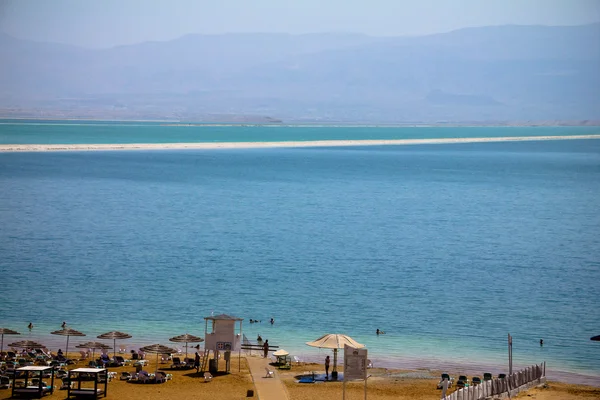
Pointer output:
494, 73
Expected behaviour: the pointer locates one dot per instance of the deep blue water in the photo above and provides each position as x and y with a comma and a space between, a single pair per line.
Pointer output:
447, 248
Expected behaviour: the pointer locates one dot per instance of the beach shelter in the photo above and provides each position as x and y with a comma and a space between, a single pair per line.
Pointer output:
281, 355
68, 332
186, 338
114, 335
93, 346
158, 349
6, 331
335, 341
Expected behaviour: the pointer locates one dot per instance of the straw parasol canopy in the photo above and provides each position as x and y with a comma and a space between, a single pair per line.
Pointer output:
93, 346
114, 335
335, 341
158, 349
186, 338
6, 331
67, 332
27, 344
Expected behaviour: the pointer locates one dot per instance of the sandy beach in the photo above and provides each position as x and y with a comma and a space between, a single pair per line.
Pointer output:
248, 145
383, 384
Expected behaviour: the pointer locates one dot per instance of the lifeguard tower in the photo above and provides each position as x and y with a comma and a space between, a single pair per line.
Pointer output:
221, 334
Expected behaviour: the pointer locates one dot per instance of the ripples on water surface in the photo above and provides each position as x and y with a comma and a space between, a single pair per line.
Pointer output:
445, 247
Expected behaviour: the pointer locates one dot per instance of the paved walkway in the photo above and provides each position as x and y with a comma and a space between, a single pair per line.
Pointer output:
266, 388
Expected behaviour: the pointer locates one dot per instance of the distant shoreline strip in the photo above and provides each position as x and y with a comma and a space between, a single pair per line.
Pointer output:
252, 145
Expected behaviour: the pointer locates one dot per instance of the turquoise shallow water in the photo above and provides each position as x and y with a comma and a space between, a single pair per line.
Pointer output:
445, 247
74, 132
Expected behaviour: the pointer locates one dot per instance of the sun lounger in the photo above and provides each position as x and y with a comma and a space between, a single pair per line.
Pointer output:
208, 377
269, 373
440, 385
177, 363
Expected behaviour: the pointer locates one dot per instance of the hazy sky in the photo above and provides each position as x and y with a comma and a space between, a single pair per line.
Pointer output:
105, 23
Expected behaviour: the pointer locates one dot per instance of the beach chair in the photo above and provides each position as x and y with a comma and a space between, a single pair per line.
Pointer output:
165, 358
298, 360
160, 377
118, 361
369, 364
208, 377
143, 377
464, 379
441, 383
5, 382
125, 376
269, 373
177, 363
122, 350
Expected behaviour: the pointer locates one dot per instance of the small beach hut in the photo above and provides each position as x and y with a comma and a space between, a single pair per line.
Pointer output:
6, 331
114, 335
335, 341
68, 332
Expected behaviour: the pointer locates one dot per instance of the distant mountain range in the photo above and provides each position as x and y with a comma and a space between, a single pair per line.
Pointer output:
476, 74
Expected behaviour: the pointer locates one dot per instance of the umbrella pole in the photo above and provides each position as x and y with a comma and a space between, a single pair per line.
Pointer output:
2, 345
114, 347
67, 349
156, 364
334, 361
186, 349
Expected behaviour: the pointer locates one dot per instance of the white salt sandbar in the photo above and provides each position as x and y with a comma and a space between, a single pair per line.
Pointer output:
250, 145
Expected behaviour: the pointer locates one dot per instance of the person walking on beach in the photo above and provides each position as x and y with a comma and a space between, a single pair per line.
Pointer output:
266, 348
327, 367
197, 362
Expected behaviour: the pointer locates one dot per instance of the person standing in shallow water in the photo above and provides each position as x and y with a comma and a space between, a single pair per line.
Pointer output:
266, 348
30, 326
327, 366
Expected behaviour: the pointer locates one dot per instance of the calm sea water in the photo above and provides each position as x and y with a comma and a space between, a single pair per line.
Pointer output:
72, 132
447, 248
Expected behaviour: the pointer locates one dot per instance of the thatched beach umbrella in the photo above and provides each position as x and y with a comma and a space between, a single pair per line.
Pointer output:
335, 341
27, 344
114, 335
67, 332
158, 349
93, 346
186, 338
6, 331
